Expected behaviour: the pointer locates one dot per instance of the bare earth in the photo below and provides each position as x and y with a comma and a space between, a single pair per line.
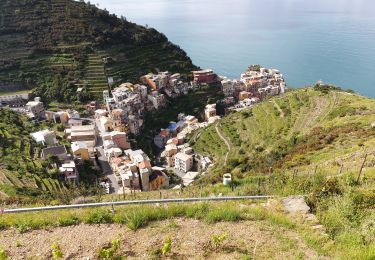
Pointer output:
190, 240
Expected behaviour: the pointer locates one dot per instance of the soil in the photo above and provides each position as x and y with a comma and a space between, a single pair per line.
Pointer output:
191, 239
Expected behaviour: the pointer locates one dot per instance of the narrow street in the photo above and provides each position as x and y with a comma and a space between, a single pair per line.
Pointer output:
103, 162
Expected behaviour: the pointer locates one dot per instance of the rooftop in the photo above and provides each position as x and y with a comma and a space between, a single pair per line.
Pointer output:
56, 150
79, 145
183, 156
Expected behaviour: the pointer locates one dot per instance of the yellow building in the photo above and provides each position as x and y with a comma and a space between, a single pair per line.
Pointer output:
158, 178
81, 151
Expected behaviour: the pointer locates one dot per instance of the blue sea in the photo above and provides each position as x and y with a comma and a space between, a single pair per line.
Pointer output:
308, 40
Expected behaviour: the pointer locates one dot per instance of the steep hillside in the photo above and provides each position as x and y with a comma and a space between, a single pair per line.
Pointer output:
55, 43
318, 143
24, 177
302, 130
22, 174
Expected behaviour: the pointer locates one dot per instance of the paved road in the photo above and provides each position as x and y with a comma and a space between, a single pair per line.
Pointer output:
103, 162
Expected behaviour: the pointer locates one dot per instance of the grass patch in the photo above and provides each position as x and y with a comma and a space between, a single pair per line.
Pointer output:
69, 220
136, 220
223, 214
99, 216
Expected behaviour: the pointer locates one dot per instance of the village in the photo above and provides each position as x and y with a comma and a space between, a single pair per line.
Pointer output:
102, 138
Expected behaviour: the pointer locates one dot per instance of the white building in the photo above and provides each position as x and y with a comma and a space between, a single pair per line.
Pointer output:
35, 109
69, 170
45, 137
183, 162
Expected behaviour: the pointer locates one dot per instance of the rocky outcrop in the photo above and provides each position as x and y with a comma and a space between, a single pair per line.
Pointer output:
295, 204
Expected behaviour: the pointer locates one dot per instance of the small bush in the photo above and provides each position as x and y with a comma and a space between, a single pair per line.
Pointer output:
222, 214
198, 211
68, 221
218, 240
24, 225
368, 230
337, 216
111, 252
56, 251
256, 214
3, 254
280, 220
2, 225
167, 246
99, 217
136, 220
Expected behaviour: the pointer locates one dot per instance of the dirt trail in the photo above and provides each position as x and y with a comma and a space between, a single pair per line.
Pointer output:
190, 240
282, 114
227, 142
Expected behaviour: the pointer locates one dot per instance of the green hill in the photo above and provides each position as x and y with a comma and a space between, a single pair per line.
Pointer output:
22, 174
56, 44
313, 142
300, 131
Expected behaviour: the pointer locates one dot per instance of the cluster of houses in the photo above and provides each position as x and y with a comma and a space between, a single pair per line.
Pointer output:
83, 138
171, 84
134, 171
177, 154
255, 84
124, 110
109, 125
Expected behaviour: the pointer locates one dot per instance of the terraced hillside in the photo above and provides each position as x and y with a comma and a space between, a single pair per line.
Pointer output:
318, 143
95, 74
42, 39
22, 174
298, 131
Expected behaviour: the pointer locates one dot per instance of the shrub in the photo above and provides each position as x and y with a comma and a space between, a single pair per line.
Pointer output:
111, 252
280, 220
136, 220
217, 240
56, 251
68, 221
198, 211
222, 214
3, 254
99, 217
24, 226
256, 214
167, 246
368, 230
337, 216
2, 225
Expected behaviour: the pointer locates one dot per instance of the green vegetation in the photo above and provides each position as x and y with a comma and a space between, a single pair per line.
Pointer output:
3, 254
21, 172
24, 177
136, 217
244, 211
167, 247
56, 251
322, 146
218, 240
111, 251
348, 245
77, 45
